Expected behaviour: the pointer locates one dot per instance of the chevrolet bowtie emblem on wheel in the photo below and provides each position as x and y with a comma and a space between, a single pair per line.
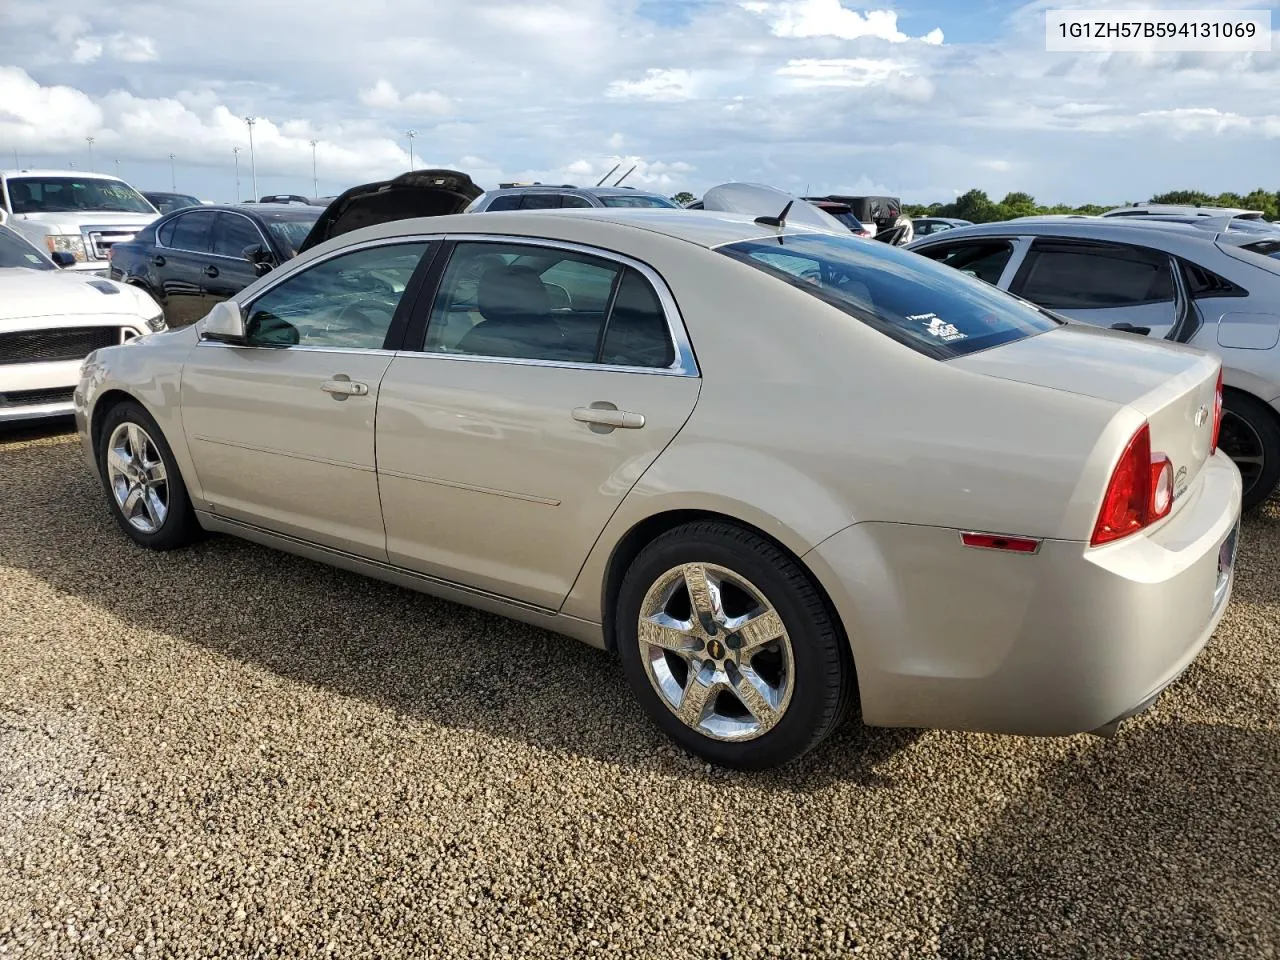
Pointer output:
1202, 415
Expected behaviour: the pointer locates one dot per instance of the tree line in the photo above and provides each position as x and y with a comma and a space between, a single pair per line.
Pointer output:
975, 205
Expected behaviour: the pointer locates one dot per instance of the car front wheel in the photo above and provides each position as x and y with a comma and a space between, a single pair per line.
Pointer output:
730, 648
144, 488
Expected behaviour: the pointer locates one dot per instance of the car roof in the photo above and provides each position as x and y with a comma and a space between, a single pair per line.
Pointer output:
566, 187
58, 173
707, 229
1165, 235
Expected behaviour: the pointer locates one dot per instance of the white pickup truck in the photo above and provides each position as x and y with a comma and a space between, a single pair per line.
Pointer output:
72, 214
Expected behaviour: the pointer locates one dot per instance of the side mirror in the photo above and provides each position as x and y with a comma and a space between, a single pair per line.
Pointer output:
224, 323
260, 258
63, 258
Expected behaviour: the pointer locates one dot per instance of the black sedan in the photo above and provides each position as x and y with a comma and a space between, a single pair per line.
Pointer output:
193, 258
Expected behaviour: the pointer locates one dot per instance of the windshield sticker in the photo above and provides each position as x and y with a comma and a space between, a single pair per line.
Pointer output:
935, 326
33, 258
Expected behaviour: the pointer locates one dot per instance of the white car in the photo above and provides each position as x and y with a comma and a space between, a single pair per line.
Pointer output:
50, 320
78, 214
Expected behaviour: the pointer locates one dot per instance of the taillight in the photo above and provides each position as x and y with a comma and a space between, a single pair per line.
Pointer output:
1139, 494
1217, 415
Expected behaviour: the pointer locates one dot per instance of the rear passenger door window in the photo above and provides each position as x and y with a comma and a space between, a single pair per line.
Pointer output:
517, 302
192, 231
1100, 283
541, 201
984, 259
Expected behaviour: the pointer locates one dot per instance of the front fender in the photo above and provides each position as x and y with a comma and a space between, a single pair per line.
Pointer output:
149, 371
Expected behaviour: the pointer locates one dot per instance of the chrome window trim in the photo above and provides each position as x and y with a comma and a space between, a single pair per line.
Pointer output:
685, 364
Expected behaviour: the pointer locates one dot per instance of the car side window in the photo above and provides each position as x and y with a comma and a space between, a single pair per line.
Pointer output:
507, 201
984, 259
572, 200
512, 301
233, 233
164, 235
347, 301
1085, 276
191, 232
541, 201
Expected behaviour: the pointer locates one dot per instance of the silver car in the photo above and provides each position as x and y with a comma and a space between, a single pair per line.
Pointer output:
1216, 290
778, 470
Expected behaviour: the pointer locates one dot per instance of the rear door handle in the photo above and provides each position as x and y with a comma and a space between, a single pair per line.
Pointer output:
157, 261
607, 417
340, 388
211, 271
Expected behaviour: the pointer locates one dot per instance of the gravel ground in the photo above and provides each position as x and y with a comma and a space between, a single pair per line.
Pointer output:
228, 752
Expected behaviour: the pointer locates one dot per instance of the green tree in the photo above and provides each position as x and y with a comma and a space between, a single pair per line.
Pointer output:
1018, 204
1262, 200
1194, 197
683, 197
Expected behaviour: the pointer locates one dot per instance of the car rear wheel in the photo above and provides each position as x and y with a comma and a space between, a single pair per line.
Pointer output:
144, 488
1251, 437
730, 647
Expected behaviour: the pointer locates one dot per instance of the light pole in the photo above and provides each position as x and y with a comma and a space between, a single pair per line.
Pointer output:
89, 141
117, 166
315, 180
253, 163
173, 175
411, 134
236, 152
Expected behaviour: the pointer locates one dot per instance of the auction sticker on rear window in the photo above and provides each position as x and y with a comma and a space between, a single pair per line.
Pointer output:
935, 326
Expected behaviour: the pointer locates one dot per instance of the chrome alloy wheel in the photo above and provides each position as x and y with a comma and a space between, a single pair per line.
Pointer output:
136, 475
716, 652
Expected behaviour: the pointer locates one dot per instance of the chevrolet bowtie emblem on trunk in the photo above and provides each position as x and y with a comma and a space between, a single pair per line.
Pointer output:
1202, 415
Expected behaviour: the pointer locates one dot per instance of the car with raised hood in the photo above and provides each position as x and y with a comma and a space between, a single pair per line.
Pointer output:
197, 256
1217, 289
66, 211
777, 469
51, 318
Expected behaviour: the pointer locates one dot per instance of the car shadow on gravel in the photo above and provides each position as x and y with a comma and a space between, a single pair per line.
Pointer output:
1162, 843
415, 655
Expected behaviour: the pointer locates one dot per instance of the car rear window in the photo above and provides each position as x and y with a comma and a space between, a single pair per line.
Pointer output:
924, 305
639, 200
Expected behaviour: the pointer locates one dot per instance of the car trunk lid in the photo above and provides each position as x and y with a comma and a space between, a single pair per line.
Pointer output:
1172, 386
419, 193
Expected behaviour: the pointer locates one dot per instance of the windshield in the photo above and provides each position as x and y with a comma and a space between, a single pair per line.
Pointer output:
74, 194
849, 220
16, 252
638, 201
169, 202
924, 305
290, 233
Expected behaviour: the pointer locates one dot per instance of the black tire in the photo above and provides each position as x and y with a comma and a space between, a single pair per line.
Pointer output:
179, 527
1260, 434
822, 672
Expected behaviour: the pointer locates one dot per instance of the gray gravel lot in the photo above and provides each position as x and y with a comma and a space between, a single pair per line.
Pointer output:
228, 752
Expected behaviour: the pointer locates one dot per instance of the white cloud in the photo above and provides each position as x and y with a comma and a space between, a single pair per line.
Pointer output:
383, 96
657, 85
999, 166
829, 18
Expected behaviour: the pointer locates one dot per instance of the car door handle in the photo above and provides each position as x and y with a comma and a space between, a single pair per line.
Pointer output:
340, 388
157, 261
607, 417
211, 271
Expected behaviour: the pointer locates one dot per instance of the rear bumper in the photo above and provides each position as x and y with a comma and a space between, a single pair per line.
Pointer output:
1064, 641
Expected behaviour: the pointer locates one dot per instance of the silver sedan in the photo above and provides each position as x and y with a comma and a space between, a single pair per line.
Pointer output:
778, 470
1214, 289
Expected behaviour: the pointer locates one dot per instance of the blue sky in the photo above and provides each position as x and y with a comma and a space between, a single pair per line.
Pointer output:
922, 99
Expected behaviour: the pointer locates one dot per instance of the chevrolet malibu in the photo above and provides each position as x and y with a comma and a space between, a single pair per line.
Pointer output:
778, 470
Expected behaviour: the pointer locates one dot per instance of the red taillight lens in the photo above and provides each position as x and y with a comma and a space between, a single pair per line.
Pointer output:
1217, 415
1139, 494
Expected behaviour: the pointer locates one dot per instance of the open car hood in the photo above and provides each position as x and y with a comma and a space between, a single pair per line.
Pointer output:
757, 200
419, 193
